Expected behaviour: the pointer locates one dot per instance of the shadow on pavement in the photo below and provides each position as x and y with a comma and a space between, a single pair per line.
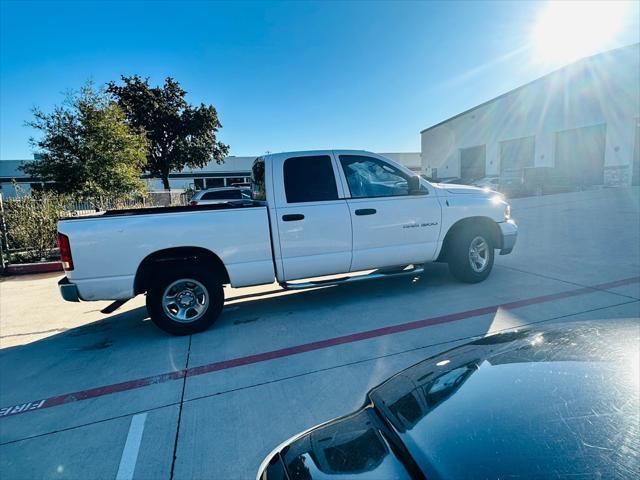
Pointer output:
128, 345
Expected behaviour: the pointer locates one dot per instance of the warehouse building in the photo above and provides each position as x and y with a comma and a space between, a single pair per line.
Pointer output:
582, 120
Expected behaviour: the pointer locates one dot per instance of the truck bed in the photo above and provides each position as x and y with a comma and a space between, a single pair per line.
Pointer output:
107, 249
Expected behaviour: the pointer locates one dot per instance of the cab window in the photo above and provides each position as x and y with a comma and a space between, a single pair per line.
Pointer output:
258, 191
309, 179
370, 177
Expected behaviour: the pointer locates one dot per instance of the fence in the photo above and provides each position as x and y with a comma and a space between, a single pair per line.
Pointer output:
28, 224
152, 199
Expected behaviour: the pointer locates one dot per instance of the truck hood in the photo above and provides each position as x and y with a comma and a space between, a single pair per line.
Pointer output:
461, 189
524, 402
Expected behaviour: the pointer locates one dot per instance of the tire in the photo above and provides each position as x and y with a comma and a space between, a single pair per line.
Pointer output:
463, 264
185, 299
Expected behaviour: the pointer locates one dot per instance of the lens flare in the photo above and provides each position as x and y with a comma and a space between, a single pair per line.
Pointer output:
568, 30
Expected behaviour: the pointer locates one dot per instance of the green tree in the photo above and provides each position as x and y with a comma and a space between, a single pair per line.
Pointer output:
87, 148
180, 135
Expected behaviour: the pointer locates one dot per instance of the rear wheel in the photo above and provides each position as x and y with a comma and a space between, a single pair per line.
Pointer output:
471, 255
185, 299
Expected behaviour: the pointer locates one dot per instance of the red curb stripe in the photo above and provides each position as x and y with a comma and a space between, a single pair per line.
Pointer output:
30, 268
289, 351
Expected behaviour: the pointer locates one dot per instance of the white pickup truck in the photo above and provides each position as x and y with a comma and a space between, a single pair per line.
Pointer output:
312, 214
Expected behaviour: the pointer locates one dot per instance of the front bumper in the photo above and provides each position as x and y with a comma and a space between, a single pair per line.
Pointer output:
68, 290
509, 231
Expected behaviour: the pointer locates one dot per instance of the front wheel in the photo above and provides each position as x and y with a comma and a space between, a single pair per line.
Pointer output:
185, 299
471, 256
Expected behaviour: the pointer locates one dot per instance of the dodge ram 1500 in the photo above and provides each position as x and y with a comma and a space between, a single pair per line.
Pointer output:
312, 214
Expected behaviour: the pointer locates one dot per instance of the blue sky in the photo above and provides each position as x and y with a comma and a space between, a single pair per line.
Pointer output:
283, 75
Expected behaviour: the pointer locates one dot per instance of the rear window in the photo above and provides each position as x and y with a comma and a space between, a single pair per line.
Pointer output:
223, 195
309, 179
258, 191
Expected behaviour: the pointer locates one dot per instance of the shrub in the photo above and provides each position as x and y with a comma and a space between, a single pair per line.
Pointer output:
31, 222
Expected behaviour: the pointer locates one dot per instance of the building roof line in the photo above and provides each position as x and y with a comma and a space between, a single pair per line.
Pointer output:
581, 60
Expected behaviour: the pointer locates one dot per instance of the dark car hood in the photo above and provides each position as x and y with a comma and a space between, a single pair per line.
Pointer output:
553, 403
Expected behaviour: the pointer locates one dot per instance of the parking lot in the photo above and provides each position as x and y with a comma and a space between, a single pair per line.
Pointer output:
87, 395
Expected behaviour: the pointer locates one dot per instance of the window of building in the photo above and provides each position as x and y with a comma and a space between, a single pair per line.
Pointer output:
215, 182
198, 183
232, 181
309, 179
371, 177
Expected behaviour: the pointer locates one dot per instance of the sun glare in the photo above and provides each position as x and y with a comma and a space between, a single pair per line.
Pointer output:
568, 30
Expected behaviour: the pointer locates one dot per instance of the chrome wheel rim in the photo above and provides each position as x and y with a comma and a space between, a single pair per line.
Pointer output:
478, 254
185, 300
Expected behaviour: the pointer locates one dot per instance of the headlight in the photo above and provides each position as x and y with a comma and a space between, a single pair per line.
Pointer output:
507, 212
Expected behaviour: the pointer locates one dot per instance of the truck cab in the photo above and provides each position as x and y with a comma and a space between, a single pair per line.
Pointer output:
345, 211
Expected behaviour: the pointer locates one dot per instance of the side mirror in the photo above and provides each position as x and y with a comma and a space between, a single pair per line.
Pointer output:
415, 187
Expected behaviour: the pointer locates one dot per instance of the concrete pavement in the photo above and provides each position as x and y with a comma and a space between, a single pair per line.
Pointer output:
221, 424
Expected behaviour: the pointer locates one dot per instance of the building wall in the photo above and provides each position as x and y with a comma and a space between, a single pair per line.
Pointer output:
232, 168
600, 90
410, 160
9, 170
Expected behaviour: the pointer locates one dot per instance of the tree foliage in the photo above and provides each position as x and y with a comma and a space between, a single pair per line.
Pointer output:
179, 135
87, 148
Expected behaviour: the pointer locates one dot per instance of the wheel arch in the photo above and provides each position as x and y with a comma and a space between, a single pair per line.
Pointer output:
485, 223
167, 256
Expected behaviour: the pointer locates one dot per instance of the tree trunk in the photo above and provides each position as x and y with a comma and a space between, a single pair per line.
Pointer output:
165, 181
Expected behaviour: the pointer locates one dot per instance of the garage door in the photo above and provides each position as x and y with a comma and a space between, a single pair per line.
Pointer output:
580, 154
515, 155
473, 163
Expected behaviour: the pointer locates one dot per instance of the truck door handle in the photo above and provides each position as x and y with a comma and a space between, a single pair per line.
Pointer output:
293, 217
366, 211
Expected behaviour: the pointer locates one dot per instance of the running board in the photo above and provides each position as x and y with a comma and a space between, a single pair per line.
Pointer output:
382, 273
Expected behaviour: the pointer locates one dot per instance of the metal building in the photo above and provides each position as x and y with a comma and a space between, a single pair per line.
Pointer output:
582, 120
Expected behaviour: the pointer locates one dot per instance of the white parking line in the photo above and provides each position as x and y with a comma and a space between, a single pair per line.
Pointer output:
131, 447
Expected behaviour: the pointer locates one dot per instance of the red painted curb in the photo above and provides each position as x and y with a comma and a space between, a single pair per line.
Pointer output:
306, 347
41, 267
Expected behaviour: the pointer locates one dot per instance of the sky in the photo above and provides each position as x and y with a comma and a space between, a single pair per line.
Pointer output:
293, 75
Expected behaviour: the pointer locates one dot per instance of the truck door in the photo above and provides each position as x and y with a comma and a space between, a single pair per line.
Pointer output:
312, 216
390, 226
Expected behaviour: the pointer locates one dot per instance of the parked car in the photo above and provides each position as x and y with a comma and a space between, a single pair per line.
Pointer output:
546, 180
312, 214
220, 195
556, 402
512, 183
491, 183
